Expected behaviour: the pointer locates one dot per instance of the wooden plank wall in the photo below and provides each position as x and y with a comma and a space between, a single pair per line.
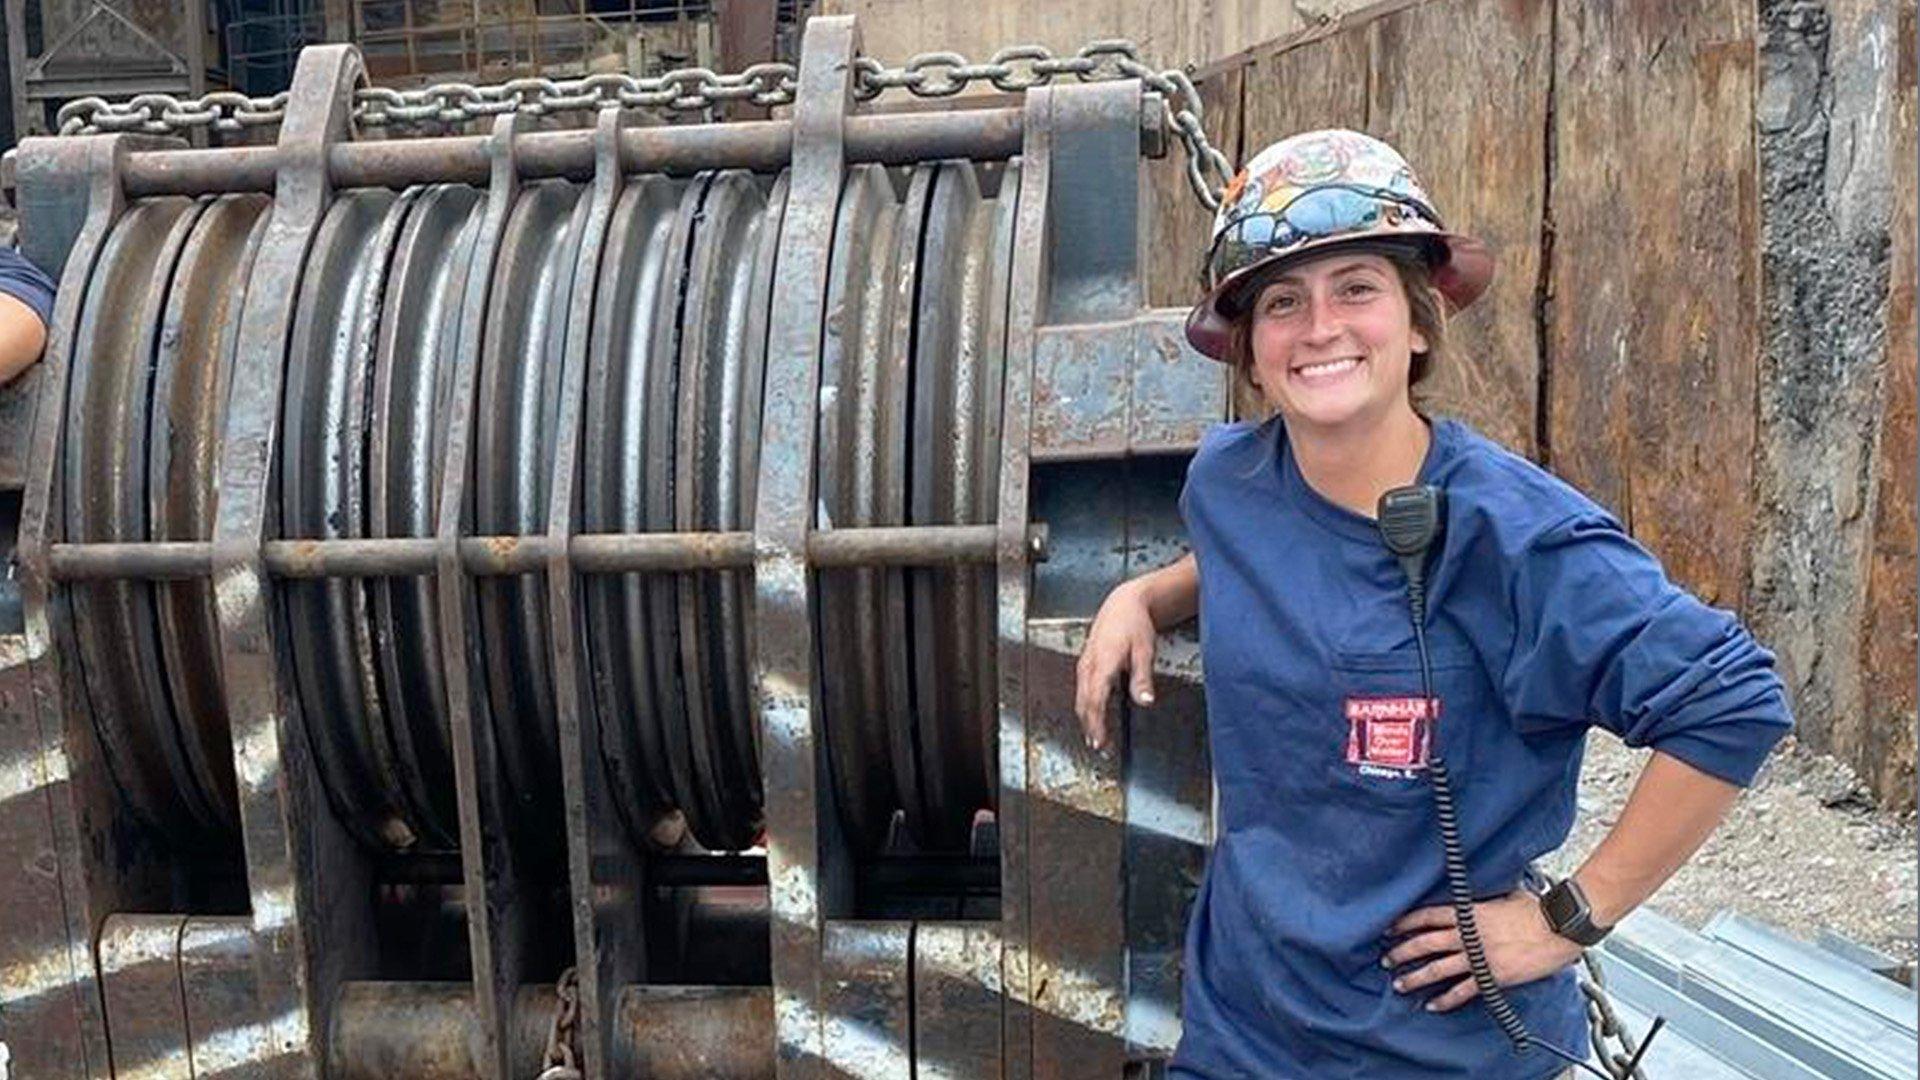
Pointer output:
1654, 342
1481, 151
1170, 33
1608, 150
1889, 667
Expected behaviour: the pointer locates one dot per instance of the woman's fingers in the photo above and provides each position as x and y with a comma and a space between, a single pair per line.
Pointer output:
1099, 668
1423, 945
1451, 966
1120, 639
1142, 664
1426, 918
1454, 996
1089, 700
1520, 947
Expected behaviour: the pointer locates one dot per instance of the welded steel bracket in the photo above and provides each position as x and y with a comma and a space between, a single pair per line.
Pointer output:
497, 913
308, 883
59, 811
808, 882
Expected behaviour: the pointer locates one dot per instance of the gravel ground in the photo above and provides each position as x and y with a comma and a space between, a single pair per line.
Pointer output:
1803, 850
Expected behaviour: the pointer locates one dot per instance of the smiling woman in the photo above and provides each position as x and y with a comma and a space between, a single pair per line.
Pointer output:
1389, 299
1353, 905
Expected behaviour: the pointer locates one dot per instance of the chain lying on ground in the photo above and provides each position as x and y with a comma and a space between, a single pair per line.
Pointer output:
562, 1062
1013, 69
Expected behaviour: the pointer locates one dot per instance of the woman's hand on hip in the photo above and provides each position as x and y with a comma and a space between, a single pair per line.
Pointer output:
1519, 944
1120, 641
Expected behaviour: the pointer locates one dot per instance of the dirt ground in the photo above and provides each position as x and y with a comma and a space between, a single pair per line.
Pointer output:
1803, 850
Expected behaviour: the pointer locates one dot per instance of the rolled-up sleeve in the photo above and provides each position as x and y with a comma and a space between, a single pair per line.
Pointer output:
1601, 635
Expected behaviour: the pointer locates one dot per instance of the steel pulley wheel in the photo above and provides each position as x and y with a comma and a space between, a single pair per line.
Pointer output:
406, 445
322, 496
514, 431
192, 370
959, 346
860, 613
629, 379
171, 776
717, 450
672, 394
910, 435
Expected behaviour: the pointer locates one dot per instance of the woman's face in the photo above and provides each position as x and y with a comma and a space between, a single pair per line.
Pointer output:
1333, 340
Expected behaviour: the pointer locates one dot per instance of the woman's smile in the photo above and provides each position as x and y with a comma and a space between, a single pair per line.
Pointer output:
1322, 373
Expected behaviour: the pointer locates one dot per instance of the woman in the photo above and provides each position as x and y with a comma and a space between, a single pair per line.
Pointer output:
1322, 943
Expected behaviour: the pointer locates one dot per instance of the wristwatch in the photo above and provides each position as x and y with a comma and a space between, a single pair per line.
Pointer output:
1570, 916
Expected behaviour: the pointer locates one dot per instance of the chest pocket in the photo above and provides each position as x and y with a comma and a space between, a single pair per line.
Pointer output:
1388, 736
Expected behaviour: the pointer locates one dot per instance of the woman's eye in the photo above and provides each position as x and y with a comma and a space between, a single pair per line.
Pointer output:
1361, 288
1280, 304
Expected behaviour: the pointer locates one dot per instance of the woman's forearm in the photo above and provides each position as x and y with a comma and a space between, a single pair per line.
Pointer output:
1673, 809
1171, 593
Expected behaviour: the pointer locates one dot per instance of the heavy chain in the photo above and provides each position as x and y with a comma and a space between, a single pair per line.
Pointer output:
1018, 68
164, 114
562, 1062
681, 90
929, 75
1612, 1043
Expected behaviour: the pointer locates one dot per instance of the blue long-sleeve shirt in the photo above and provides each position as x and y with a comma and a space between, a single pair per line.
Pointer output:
1544, 618
25, 282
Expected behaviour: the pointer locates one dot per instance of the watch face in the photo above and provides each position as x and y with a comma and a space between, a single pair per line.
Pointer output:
1557, 904
1563, 907
1568, 914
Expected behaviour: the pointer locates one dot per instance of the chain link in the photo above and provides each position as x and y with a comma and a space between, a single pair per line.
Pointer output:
1012, 70
562, 1061
164, 114
1612, 1043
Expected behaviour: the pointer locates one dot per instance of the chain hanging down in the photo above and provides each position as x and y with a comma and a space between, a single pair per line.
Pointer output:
1014, 69
561, 1061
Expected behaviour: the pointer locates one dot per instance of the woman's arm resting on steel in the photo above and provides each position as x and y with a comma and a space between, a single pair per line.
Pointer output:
1673, 809
1121, 639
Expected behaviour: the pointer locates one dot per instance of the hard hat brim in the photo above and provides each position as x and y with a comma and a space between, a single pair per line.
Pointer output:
1461, 272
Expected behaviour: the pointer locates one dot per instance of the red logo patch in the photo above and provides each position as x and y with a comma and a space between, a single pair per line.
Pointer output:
1391, 732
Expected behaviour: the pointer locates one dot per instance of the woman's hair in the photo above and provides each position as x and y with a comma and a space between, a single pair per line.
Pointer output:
1427, 312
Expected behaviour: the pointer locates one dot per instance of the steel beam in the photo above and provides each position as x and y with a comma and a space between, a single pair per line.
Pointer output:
764, 146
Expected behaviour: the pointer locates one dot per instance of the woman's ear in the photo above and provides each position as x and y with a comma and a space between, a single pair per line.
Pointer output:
1418, 341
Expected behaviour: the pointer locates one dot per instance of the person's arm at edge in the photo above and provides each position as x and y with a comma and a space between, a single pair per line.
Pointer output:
23, 336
